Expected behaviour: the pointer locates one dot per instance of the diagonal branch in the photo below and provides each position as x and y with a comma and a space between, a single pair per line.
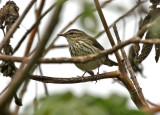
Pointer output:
121, 17
33, 26
32, 35
129, 67
124, 77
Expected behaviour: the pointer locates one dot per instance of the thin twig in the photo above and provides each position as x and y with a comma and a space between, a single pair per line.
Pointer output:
31, 28
129, 67
45, 86
34, 30
153, 104
23, 90
130, 11
121, 17
55, 46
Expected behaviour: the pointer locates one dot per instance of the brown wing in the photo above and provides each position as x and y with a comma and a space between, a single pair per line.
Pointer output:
95, 43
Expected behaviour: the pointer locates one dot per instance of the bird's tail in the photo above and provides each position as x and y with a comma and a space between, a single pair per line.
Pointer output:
110, 62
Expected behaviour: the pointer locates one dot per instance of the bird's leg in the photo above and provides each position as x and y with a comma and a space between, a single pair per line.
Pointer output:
97, 76
82, 77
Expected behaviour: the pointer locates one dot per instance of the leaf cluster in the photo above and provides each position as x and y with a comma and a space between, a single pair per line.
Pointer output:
68, 104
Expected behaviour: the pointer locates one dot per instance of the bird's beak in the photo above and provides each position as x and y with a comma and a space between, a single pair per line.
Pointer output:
61, 34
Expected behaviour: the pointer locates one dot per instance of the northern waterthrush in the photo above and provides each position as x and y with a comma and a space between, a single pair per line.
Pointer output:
81, 44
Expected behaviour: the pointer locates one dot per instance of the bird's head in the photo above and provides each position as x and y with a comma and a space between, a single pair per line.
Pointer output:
74, 35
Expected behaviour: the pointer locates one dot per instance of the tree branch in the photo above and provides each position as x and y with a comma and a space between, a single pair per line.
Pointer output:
129, 67
123, 77
121, 17
59, 80
33, 26
81, 59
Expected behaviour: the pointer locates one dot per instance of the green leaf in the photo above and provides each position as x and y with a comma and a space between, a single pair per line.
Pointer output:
68, 104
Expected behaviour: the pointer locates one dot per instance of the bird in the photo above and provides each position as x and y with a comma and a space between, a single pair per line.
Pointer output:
82, 44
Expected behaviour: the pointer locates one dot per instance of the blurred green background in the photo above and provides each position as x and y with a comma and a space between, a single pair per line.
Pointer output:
68, 104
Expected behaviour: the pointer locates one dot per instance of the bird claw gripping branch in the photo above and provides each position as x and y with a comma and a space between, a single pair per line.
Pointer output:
153, 32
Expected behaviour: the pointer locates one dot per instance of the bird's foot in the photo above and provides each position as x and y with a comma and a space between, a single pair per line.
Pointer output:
82, 77
97, 77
